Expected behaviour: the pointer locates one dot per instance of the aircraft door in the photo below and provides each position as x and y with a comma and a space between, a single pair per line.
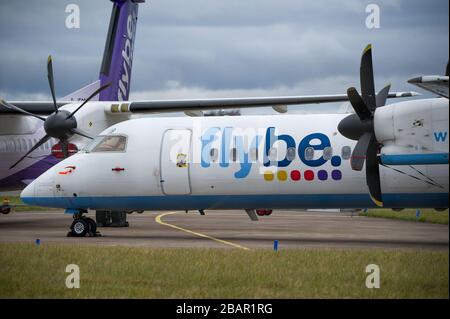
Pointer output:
175, 162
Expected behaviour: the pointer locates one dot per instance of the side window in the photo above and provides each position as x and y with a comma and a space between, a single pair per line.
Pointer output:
234, 155
273, 154
214, 154
309, 153
9, 146
327, 153
291, 152
346, 152
113, 143
17, 147
254, 155
23, 143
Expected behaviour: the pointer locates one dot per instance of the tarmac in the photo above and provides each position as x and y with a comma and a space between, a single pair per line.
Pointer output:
233, 230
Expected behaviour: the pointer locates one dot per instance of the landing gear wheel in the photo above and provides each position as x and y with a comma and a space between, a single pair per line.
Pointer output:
79, 228
92, 227
5, 210
268, 212
261, 212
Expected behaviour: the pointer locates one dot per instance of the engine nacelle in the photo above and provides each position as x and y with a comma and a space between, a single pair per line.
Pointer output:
413, 127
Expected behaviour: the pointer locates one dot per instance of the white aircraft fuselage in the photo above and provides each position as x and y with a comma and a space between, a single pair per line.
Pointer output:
248, 162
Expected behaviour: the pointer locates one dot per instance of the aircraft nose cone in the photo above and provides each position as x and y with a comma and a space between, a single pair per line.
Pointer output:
28, 195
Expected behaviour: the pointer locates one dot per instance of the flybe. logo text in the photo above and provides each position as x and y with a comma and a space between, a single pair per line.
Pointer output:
127, 55
274, 152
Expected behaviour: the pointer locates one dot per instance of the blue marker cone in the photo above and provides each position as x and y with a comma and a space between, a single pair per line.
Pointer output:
418, 213
38, 241
275, 245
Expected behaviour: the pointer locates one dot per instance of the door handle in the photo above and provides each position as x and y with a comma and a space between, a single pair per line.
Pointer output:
118, 169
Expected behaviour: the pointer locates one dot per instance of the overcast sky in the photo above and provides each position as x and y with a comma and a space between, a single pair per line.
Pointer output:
224, 48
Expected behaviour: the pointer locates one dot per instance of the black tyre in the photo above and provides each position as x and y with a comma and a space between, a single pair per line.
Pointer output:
5, 210
92, 225
79, 228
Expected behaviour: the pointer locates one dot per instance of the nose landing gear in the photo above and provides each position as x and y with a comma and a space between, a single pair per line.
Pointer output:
83, 226
6, 207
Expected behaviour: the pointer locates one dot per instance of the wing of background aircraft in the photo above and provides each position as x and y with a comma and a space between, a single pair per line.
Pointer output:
436, 84
433, 83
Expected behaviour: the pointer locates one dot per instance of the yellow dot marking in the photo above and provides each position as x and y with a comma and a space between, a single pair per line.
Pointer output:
282, 176
158, 219
269, 176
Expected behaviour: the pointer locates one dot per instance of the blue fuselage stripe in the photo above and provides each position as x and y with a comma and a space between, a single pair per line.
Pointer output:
431, 200
415, 159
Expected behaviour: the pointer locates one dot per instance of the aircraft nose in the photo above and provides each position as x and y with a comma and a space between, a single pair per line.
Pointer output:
28, 195
40, 191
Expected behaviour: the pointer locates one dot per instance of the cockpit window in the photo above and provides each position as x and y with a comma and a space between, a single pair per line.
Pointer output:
111, 143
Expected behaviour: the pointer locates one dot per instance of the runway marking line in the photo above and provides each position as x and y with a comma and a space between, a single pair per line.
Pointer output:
158, 219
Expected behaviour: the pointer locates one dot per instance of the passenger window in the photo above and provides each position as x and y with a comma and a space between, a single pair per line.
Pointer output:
10, 146
291, 154
254, 155
327, 153
23, 144
233, 155
309, 153
17, 146
114, 143
273, 154
346, 152
214, 154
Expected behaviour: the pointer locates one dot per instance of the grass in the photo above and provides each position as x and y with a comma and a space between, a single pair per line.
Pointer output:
426, 215
20, 206
30, 271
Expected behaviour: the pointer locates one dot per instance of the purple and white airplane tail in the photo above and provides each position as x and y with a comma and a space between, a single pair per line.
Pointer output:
117, 57
118, 54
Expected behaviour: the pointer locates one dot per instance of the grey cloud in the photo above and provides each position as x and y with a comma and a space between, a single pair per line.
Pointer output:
225, 46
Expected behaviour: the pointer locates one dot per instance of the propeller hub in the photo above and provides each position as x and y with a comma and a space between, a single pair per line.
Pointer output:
353, 128
59, 126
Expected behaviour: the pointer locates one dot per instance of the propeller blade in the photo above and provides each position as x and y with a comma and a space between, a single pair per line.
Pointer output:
65, 148
367, 79
18, 109
81, 133
359, 154
37, 145
383, 95
89, 98
373, 173
358, 104
51, 81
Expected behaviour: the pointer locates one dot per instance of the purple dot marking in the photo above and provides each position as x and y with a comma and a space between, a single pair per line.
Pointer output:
323, 175
336, 175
